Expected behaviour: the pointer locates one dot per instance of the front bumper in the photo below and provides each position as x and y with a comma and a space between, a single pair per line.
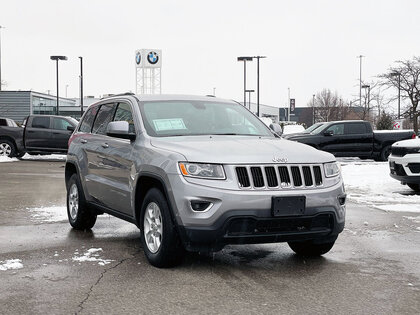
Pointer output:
405, 169
244, 216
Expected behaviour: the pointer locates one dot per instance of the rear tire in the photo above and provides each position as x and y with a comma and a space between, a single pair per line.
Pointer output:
78, 212
159, 237
385, 153
7, 148
415, 187
309, 248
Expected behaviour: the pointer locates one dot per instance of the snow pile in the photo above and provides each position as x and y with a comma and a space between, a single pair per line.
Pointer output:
11, 264
368, 182
48, 214
7, 159
92, 254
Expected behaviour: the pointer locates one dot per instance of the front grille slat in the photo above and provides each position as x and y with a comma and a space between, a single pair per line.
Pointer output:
273, 177
297, 178
270, 174
307, 175
243, 177
257, 176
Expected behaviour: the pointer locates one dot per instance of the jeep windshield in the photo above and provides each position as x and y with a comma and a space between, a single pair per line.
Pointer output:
194, 118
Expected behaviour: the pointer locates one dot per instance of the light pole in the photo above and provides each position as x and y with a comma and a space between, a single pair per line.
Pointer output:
244, 59
258, 83
394, 74
81, 86
360, 81
366, 86
57, 58
313, 109
0, 56
249, 97
66, 89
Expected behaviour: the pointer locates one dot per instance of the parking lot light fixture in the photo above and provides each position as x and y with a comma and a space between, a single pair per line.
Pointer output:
57, 58
245, 59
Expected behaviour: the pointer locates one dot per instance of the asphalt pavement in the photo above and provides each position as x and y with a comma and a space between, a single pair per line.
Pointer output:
374, 267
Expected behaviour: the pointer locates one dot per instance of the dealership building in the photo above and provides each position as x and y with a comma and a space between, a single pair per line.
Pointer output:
17, 105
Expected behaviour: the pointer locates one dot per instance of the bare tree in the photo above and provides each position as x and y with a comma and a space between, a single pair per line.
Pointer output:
405, 76
326, 105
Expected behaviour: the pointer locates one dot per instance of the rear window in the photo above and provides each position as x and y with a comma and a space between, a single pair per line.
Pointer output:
41, 122
3, 122
87, 122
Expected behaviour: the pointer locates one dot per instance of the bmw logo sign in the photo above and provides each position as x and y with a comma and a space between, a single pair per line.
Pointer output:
138, 58
153, 57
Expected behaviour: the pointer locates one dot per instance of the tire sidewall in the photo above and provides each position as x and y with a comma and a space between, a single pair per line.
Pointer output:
73, 180
12, 146
169, 234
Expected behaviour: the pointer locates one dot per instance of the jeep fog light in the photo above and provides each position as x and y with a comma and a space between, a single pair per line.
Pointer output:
200, 205
202, 170
331, 169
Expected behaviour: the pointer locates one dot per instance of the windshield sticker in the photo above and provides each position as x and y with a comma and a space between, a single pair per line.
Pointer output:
169, 124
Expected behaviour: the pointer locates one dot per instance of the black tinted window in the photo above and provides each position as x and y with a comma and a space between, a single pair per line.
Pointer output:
87, 122
124, 113
337, 129
41, 122
105, 115
60, 123
356, 128
3, 122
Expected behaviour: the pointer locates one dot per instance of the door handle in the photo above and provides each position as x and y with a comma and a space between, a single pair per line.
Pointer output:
83, 141
105, 146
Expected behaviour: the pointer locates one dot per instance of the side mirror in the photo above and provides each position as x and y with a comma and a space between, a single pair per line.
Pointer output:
276, 128
328, 133
71, 128
120, 129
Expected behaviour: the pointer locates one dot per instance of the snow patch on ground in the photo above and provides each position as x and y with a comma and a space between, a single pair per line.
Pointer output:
92, 255
11, 264
7, 159
61, 157
48, 214
368, 182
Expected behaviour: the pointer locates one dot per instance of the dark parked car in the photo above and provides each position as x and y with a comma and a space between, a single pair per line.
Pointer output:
40, 134
353, 138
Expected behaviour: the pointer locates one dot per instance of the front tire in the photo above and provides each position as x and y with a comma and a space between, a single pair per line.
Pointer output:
7, 148
309, 248
159, 237
78, 212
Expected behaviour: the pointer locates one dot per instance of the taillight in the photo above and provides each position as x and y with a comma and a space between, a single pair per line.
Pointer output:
73, 135
413, 136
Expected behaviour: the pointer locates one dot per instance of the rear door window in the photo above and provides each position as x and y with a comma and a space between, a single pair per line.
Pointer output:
3, 122
87, 122
41, 122
356, 128
104, 117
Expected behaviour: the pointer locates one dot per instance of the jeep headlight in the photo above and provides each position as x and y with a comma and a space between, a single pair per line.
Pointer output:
331, 169
202, 170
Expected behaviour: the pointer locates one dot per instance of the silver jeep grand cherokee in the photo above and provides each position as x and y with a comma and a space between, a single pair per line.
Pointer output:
197, 173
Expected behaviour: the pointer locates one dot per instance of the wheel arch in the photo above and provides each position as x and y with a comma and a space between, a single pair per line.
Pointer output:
145, 182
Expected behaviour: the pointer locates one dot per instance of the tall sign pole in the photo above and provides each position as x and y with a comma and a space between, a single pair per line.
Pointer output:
0, 56
360, 80
81, 86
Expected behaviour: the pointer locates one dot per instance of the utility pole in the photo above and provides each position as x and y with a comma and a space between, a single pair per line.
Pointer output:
244, 59
360, 80
313, 109
0, 57
288, 105
258, 83
81, 86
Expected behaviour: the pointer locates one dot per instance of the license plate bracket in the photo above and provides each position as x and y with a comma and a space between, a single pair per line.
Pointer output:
288, 206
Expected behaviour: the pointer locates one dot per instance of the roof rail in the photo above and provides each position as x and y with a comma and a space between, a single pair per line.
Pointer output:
209, 95
120, 94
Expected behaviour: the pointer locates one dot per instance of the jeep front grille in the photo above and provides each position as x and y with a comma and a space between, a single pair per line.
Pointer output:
271, 177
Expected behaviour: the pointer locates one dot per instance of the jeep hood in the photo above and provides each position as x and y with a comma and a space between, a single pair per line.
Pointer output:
241, 149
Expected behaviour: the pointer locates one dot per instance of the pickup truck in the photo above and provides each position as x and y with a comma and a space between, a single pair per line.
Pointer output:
353, 138
40, 134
